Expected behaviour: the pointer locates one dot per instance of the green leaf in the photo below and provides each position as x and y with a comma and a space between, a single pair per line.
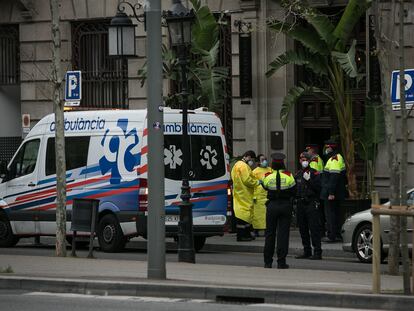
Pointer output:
208, 57
205, 28
307, 36
322, 25
211, 81
347, 61
291, 99
352, 14
315, 62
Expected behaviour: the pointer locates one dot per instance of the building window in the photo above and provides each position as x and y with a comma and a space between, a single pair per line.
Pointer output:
104, 79
9, 55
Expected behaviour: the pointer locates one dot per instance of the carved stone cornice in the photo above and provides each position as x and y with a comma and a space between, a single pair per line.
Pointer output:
27, 8
249, 5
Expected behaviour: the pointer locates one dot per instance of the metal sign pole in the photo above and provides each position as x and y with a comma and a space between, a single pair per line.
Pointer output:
156, 201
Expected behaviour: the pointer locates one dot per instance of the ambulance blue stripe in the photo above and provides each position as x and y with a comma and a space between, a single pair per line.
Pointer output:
79, 195
209, 193
53, 179
91, 169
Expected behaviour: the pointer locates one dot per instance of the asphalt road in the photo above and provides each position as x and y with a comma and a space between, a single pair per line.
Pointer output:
26, 247
36, 301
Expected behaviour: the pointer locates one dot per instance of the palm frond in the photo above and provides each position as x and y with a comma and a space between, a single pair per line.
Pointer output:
291, 99
205, 29
307, 36
322, 25
300, 56
347, 61
211, 81
352, 14
208, 57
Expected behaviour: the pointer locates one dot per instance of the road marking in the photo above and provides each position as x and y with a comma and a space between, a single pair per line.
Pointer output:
119, 298
307, 308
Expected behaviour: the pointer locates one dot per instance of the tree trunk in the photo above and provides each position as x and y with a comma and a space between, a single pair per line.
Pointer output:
383, 33
404, 154
59, 133
343, 109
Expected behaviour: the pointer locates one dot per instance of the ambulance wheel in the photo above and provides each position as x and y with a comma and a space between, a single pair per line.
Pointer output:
7, 238
199, 242
110, 236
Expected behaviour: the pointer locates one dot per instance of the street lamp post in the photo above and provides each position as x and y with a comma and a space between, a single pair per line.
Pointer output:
179, 20
122, 44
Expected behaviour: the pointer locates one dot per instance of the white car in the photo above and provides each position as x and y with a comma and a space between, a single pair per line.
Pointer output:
357, 232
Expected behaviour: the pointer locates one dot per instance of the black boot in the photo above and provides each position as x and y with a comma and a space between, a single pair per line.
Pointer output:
303, 256
282, 266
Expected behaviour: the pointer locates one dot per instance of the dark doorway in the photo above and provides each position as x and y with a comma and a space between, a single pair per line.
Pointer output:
315, 136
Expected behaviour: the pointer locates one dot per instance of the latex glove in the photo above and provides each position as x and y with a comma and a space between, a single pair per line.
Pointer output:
306, 175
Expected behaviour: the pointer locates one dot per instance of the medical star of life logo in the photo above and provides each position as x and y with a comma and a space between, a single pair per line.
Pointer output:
121, 154
208, 157
172, 156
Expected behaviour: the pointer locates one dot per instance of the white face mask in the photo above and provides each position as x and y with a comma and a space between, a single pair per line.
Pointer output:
328, 150
305, 164
250, 163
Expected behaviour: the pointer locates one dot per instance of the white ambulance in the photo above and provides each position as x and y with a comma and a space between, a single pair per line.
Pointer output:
106, 159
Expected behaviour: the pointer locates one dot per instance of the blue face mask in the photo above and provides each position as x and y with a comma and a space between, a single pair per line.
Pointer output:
264, 163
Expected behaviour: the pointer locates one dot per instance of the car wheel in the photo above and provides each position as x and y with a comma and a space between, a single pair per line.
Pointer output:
110, 236
199, 242
7, 238
363, 242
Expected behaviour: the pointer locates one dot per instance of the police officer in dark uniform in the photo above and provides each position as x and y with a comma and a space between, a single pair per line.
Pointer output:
308, 188
280, 186
333, 190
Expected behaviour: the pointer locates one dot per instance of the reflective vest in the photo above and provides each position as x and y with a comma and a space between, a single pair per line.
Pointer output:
287, 180
335, 164
317, 163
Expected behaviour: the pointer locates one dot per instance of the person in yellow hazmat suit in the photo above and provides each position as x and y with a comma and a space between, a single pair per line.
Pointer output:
243, 190
260, 196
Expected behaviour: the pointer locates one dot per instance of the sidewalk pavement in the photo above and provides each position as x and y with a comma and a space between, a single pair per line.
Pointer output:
201, 281
228, 243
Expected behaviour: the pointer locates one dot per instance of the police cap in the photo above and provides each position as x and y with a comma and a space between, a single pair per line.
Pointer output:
305, 155
331, 143
278, 157
312, 146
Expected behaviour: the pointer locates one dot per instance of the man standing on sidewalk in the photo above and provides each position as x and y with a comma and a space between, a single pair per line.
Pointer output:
333, 190
280, 186
308, 188
243, 190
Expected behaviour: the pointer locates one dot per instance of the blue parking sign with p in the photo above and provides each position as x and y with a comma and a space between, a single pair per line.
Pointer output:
395, 88
73, 86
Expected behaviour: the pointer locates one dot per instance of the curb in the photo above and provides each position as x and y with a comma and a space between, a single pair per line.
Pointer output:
172, 289
243, 248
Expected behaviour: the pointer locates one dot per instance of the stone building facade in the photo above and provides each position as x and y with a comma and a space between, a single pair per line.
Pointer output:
255, 124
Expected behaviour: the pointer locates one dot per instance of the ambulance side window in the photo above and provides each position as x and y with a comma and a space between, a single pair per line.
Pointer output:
25, 161
173, 157
76, 153
207, 157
